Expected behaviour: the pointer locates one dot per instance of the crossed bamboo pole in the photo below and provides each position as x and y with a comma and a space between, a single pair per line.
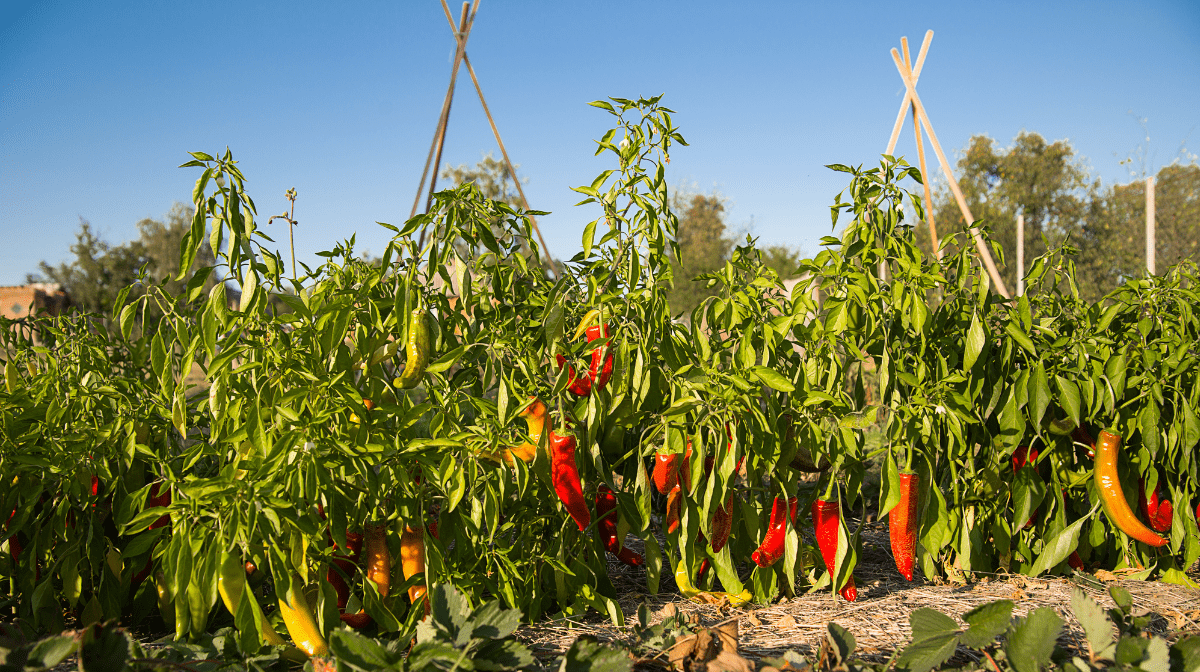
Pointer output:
912, 101
462, 31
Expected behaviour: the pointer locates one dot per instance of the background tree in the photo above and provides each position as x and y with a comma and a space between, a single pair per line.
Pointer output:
703, 247
1113, 239
1044, 180
100, 270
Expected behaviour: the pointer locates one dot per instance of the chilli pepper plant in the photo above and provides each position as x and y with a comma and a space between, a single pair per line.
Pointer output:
455, 413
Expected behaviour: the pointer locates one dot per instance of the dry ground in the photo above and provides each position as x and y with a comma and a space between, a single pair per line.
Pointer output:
879, 618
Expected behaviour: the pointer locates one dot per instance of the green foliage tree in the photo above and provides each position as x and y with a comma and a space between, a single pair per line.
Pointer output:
783, 259
492, 177
703, 247
100, 270
1044, 180
1113, 239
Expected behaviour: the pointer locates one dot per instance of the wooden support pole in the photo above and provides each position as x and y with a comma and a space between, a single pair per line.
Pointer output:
504, 152
1150, 233
907, 102
439, 134
937, 248
1020, 253
985, 256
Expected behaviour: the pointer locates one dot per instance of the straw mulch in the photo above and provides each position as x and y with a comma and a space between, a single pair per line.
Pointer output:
879, 618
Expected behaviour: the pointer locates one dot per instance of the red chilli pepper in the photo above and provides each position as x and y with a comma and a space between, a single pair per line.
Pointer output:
348, 564
602, 357
564, 474
827, 522
771, 549
1021, 457
606, 516
902, 524
722, 521
1075, 561
666, 472
674, 503
1158, 513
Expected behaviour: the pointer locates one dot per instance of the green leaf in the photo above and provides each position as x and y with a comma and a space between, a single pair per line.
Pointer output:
248, 286
1059, 547
447, 360
589, 235
588, 655
1096, 625
773, 379
926, 654
1068, 397
927, 623
1031, 642
987, 622
361, 653
976, 338
1039, 394
1022, 339
889, 486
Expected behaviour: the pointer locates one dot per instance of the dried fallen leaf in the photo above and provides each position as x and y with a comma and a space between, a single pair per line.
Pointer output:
1105, 575
754, 620
786, 622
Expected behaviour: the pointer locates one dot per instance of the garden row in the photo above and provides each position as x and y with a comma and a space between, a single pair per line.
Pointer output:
456, 415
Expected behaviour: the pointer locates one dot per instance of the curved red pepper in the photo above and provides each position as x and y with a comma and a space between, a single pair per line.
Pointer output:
1158, 513
1075, 561
902, 524
771, 549
606, 520
599, 371
580, 386
827, 523
674, 504
564, 475
602, 358
722, 522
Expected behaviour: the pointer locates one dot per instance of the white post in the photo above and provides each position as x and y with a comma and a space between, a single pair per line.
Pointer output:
1150, 224
1020, 253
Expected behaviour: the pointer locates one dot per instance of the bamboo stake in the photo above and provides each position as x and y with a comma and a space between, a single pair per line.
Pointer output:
937, 248
439, 132
459, 54
984, 254
504, 152
907, 102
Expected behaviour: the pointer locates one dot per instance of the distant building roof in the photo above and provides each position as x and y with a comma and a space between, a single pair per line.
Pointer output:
22, 301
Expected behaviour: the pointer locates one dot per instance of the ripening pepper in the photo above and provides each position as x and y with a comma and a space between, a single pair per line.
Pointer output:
827, 523
231, 585
298, 617
902, 524
416, 350
1108, 485
771, 549
606, 517
564, 475
1158, 512
535, 420
348, 564
379, 572
412, 561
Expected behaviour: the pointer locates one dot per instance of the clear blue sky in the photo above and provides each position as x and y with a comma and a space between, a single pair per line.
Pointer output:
100, 101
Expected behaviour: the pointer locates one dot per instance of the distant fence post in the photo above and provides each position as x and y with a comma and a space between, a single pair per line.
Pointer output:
1150, 224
